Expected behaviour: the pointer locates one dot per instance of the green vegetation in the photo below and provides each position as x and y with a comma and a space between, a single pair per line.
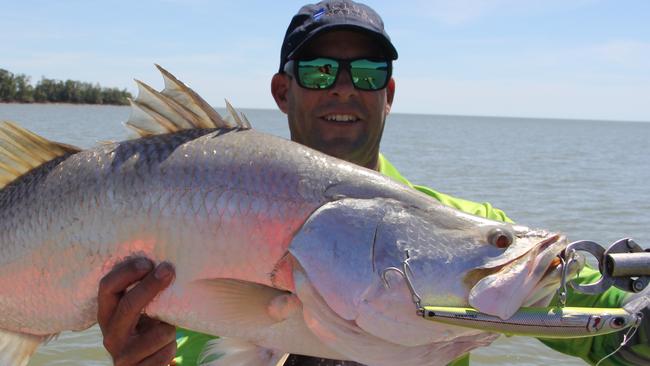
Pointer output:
17, 89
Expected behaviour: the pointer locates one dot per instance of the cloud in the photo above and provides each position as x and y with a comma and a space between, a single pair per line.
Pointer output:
627, 53
605, 61
460, 12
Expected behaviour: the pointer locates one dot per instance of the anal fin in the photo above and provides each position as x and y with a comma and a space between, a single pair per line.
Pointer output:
17, 348
236, 352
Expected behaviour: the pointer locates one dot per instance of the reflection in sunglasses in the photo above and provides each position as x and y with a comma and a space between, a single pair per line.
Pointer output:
323, 72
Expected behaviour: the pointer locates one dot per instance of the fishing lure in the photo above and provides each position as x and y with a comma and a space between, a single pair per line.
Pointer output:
551, 322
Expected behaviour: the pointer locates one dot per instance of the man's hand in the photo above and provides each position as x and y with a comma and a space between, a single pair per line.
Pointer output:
131, 337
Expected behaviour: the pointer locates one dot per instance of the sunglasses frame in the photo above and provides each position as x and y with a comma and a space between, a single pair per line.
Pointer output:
291, 68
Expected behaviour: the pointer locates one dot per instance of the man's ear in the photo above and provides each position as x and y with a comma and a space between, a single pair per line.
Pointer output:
390, 93
280, 89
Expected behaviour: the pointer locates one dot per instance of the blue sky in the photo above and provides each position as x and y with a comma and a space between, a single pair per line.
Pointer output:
586, 59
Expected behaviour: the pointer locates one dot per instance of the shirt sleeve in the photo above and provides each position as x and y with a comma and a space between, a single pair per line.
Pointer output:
479, 209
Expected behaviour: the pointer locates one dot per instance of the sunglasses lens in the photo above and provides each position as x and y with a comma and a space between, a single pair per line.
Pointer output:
369, 74
319, 73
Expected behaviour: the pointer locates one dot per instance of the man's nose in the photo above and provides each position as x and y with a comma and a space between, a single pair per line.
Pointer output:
343, 87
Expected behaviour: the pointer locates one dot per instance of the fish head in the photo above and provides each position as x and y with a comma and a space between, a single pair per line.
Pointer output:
453, 259
458, 259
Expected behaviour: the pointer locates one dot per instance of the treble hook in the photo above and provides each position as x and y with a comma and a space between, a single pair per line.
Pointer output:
562, 291
404, 272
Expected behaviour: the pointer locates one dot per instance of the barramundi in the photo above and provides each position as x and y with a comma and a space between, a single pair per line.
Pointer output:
277, 248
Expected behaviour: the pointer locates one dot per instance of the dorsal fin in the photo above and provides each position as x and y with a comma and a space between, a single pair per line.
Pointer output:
241, 121
22, 150
176, 108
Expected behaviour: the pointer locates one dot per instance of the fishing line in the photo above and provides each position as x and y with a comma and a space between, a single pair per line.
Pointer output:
626, 338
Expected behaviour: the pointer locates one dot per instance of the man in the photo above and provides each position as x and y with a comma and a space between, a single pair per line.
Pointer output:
335, 85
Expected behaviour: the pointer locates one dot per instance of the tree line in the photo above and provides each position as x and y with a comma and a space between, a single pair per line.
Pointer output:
18, 89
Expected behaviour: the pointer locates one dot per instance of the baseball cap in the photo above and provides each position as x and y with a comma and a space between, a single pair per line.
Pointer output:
314, 19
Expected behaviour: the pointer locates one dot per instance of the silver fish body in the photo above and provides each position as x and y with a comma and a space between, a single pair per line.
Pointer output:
273, 243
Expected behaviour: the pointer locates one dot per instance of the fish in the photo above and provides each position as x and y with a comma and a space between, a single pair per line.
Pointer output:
277, 248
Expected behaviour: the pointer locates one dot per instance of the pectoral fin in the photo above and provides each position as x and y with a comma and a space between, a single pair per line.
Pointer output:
240, 304
17, 348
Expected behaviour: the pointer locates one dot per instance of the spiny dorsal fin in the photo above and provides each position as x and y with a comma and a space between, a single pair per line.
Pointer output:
233, 117
241, 121
176, 108
246, 121
22, 150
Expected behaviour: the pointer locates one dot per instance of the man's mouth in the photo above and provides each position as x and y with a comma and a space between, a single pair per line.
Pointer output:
342, 118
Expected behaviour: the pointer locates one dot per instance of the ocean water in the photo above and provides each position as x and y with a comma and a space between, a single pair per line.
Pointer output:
588, 179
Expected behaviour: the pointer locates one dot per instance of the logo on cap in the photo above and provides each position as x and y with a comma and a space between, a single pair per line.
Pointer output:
318, 14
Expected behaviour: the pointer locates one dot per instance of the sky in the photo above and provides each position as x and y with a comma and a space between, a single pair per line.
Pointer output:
578, 59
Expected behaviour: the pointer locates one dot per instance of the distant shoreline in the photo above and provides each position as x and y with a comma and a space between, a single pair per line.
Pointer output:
17, 88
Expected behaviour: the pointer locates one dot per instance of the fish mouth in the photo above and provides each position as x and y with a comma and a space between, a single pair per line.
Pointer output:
550, 241
531, 278
542, 294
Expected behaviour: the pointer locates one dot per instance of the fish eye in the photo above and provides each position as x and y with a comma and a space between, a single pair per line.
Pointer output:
500, 238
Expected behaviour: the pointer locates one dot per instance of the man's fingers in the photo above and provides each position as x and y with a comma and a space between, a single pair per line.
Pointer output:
113, 285
120, 309
162, 357
132, 303
153, 343
145, 323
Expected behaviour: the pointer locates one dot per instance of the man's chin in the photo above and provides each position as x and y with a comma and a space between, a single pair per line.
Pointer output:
350, 155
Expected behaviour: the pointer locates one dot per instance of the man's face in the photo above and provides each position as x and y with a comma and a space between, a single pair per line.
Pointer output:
341, 121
